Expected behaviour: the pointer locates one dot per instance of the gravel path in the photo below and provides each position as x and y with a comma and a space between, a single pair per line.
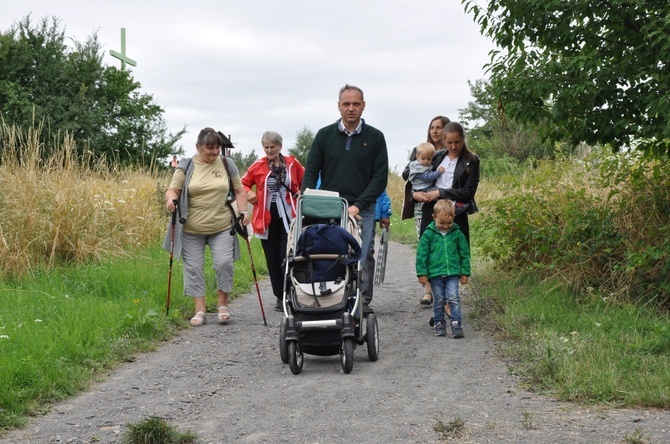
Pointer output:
228, 384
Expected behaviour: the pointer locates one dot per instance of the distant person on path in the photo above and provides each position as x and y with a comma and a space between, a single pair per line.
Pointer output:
352, 159
201, 185
443, 259
174, 162
421, 173
272, 184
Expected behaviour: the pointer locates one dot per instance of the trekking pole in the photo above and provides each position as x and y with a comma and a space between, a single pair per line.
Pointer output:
245, 234
172, 228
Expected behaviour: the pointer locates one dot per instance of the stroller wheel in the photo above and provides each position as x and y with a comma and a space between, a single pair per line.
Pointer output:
283, 347
347, 355
372, 337
295, 357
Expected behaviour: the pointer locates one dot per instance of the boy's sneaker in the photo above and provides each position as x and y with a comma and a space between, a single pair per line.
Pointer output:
431, 322
440, 330
456, 330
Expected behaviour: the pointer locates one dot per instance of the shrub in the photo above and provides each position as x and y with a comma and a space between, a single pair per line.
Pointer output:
594, 221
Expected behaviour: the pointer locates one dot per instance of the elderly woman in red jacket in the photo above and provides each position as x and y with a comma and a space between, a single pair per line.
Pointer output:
272, 184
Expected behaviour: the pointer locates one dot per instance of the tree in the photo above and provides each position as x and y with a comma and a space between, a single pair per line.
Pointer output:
498, 135
595, 70
42, 81
303, 143
243, 162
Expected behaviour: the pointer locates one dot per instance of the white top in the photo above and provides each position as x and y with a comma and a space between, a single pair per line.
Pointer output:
447, 178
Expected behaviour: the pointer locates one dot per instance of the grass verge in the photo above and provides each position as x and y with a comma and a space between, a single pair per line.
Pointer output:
588, 348
61, 329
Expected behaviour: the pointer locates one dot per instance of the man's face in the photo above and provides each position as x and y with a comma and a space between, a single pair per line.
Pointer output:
351, 106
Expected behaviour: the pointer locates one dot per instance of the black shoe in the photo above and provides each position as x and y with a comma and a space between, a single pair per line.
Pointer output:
456, 330
279, 306
367, 310
431, 322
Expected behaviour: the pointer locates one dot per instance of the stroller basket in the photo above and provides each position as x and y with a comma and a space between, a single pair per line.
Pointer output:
324, 294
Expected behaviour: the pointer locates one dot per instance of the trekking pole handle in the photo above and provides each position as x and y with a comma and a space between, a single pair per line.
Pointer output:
174, 212
245, 230
177, 208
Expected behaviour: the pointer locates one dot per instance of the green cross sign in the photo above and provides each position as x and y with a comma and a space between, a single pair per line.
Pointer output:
122, 56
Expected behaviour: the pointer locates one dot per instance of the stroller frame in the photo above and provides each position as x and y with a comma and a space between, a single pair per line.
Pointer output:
332, 329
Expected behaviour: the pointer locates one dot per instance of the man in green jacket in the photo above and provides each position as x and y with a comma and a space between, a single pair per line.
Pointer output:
351, 158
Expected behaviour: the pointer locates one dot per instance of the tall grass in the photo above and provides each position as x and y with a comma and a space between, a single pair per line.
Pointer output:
68, 209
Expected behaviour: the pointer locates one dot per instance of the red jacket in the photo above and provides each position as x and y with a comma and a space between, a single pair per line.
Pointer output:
257, 175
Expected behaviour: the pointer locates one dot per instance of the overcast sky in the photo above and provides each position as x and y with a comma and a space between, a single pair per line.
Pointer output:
247, 66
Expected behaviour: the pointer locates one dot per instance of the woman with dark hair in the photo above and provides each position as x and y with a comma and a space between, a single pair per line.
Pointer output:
436, 130
200, 186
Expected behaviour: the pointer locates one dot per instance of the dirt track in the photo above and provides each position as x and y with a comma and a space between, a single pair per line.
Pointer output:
228, 384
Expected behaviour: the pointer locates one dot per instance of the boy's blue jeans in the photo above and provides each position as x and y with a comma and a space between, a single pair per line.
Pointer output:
445, 290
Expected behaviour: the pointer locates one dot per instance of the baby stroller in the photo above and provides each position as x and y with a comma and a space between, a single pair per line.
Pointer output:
322, 301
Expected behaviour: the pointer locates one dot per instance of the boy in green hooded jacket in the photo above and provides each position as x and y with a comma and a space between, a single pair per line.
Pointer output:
443, 259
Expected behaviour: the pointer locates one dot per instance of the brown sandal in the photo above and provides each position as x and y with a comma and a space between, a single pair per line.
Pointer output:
427, 299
